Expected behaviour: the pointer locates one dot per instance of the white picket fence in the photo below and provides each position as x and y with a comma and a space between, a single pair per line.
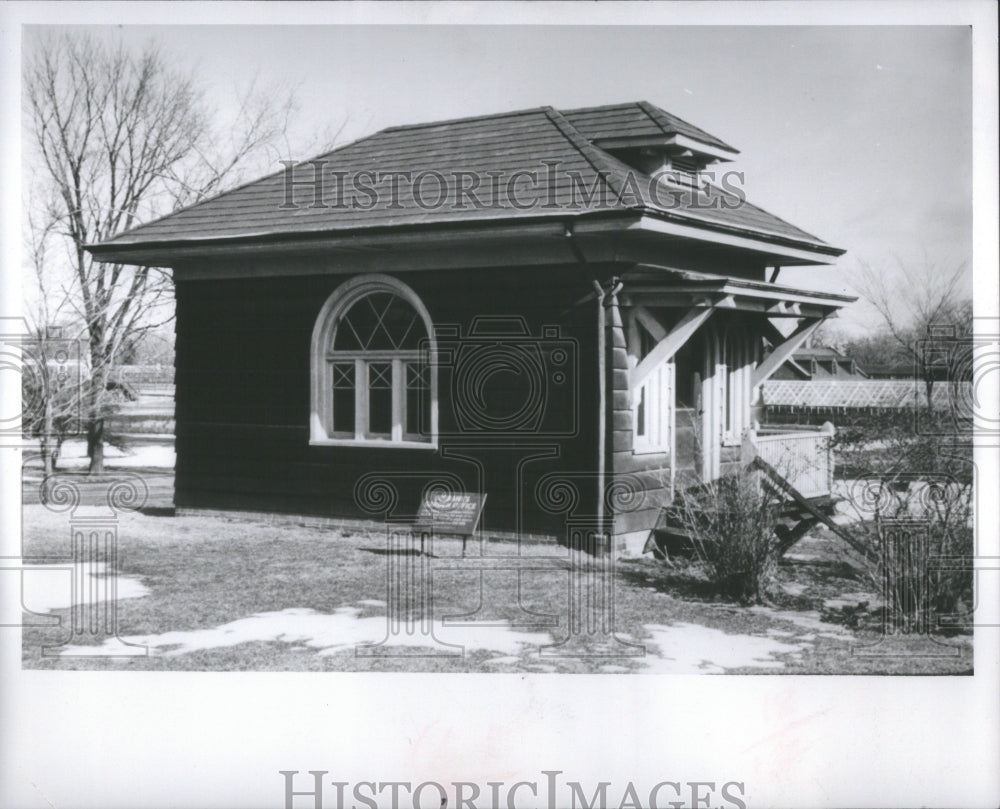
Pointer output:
860, 393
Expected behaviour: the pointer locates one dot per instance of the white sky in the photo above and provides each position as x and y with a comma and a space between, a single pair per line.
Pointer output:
861, 135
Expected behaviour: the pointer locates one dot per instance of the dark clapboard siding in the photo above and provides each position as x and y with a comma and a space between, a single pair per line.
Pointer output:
243, 396
649, 474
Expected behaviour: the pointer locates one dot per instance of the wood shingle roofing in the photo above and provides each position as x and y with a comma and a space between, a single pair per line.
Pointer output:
528, 164
637, 119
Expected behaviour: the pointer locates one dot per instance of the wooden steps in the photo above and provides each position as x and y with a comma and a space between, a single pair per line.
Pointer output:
796, 516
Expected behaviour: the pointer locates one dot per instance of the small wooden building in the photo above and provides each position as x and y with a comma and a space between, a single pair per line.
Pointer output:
566, 310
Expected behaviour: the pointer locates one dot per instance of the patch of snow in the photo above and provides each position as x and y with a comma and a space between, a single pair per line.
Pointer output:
694, 649
74, 455
329, 634
50, 587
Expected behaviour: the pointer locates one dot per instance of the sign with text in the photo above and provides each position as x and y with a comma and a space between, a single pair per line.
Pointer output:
451, 512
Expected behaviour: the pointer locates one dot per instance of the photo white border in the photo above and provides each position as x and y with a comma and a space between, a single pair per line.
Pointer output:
148, 739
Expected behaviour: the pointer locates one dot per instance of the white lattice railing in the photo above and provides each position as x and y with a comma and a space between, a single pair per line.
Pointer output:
852, 393
803, 457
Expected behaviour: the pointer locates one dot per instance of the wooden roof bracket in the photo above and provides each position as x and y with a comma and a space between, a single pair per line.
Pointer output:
668, 342
784, 350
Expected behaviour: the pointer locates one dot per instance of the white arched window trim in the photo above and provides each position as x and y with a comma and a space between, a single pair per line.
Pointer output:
321, 364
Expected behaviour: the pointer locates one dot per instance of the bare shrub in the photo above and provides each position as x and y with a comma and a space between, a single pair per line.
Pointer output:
912, 499
731, 525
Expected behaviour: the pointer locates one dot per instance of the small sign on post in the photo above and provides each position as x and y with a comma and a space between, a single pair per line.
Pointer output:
444, 512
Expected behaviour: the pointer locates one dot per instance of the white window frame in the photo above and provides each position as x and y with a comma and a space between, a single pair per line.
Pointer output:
656, 395
322, 359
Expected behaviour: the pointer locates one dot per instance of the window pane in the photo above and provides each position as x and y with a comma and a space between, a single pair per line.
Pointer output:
380, 398
343, 397
380, 321
418, 399
402, 325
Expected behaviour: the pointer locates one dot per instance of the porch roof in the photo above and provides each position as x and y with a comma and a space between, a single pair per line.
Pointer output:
655, 285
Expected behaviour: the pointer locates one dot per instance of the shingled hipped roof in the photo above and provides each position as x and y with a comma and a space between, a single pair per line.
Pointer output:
528, 164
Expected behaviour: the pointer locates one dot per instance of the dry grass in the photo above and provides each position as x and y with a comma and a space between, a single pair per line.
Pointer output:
203, 573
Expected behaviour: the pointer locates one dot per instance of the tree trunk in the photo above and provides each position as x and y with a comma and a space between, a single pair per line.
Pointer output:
48, 457
96, 387
95, 445
47, 436
48, 470
46, 450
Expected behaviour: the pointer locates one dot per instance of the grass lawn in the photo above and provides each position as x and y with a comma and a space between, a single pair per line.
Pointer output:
238, 594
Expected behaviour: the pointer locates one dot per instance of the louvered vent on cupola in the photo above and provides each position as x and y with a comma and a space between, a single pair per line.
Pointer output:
667, 163
683, 169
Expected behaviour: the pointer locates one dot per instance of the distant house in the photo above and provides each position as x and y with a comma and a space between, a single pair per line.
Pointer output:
513, 303
817, 363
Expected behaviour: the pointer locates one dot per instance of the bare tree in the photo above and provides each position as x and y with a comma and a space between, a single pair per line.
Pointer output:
120, 138
912, 301
51, 367
828, 335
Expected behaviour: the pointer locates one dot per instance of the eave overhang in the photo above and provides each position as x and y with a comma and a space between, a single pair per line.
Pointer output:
785, 250
773, 248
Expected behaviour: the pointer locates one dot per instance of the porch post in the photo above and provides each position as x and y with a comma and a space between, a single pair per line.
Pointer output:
712, 393
618, 407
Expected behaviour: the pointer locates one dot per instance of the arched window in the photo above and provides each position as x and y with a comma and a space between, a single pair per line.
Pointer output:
373, 376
